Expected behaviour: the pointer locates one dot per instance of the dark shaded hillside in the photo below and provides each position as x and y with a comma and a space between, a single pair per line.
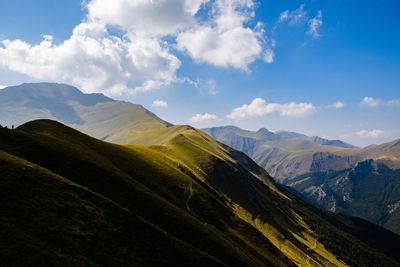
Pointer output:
48, 220
212, 204
370, 190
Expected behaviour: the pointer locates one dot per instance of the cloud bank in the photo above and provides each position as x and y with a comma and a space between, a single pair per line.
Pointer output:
140, 58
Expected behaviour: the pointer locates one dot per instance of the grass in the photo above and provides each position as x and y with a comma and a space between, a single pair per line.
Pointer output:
212, 203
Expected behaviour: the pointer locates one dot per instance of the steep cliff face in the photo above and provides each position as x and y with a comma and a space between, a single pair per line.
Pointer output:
370, 190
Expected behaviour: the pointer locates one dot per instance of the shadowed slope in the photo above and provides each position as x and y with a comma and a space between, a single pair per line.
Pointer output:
49, 220
149, 185
203, 193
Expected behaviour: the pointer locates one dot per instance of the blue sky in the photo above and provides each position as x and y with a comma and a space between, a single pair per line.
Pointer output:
281, 65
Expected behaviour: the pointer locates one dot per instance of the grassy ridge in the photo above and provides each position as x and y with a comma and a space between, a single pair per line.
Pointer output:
49, 220
211, 199
155, 190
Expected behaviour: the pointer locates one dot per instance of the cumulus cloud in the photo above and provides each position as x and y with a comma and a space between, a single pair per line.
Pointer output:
159, 103
206, 117
145, 17
259, 107
369, 101
314, 25
337, 105
140, 55
371, 134
225, 40
94, 60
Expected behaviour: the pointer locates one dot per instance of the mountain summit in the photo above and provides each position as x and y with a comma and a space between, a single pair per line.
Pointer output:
94, 114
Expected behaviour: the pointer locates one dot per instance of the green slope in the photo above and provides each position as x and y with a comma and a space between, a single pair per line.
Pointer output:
212, 203
147, 184
49, 220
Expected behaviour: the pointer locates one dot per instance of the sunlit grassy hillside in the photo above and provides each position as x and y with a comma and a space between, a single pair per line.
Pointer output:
76, 198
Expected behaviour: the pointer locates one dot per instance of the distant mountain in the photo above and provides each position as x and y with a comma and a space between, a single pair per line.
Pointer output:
94, 114
370, 145
290, 135
328, 176
186, 200
326, 142
314, 139
19, 104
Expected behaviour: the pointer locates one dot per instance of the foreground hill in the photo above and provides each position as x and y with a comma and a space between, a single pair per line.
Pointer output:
363, 182
69, 199
94, 114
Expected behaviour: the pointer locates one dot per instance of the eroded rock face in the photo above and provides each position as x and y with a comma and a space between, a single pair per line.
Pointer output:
325, 161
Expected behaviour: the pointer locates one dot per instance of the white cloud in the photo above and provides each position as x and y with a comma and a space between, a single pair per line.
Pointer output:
371, 134
314, 25
159, 103
224, 40
369, 101
337, 105
94, 59
2, 86
284, 16
294, 17
269, 55
259, 107
145, 17
206, 86
299, 17
395, 102
206, 117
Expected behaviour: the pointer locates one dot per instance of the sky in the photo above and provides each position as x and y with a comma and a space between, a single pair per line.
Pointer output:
320, 67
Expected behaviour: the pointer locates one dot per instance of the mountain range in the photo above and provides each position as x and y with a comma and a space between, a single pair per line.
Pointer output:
333, 175
154, 194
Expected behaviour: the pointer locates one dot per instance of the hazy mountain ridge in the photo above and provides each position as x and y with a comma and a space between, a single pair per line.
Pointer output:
320, 173
44, 100
314, 139
94, 114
